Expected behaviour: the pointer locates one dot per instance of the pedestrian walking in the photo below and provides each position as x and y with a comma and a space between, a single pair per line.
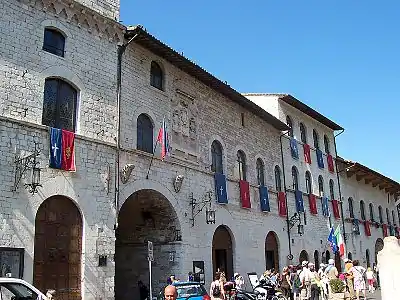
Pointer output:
359, 282
370, 280
314, 283
305, 279
286, 286
348, 264
217, 288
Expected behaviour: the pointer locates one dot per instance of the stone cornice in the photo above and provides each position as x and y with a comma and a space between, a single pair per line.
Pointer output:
81, 16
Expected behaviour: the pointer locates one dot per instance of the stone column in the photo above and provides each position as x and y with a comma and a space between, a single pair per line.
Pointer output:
388, 258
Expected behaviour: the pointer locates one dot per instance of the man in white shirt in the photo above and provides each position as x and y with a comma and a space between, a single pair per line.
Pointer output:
305, 279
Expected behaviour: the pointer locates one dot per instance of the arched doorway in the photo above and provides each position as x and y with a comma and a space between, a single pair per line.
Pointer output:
222, 251
350, 256
316, 259
146, 215
367, 258
303, 256
271, 251
338, 262
327, 256
58, 248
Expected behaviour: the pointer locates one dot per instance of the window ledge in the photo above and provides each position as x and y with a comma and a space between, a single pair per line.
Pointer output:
52, 55
158, 91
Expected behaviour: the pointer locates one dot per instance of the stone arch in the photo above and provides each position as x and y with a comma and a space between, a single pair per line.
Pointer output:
272, 251
146, 215
223, 250
56, 25
58, 247
326, 256
303, 256
65, 74
224, 151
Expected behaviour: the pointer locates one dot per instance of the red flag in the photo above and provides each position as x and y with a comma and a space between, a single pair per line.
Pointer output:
331, 167
282, 204
335, 206
385, 231
313, 204
367, 228
163, 139
245, 193
307, 154
68, 151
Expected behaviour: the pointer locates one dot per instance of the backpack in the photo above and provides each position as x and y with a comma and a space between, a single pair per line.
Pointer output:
216, 289
296, 281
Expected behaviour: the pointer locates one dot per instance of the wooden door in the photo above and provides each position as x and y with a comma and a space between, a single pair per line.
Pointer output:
58, 248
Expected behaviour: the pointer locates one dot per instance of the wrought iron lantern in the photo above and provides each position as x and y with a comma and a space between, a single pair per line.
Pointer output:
25, 163
300, 229
293, 221
210, 216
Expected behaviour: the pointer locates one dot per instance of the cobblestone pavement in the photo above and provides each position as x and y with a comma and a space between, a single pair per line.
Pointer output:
375, 296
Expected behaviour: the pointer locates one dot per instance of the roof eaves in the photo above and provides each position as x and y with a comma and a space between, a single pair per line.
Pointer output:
151, 43
289, 99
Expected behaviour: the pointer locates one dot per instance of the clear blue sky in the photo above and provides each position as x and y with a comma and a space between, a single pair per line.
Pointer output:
340, 57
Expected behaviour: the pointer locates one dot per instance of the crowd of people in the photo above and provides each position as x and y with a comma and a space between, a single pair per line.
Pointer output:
305, 282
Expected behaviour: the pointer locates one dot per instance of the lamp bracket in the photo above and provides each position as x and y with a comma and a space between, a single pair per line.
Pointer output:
22, 164
293, 220
198, 206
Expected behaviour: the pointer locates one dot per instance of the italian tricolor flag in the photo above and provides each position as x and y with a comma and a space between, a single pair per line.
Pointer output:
339, 241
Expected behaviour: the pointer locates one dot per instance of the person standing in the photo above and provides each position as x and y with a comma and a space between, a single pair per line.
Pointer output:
359, 283
314, 283
285, 282
305, 279
370, 280
217, 288
170, 293
348, 264
239, 281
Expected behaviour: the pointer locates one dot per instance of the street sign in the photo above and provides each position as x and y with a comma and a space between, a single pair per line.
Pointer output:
150, 253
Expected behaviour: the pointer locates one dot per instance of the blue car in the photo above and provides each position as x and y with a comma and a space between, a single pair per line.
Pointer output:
189, 289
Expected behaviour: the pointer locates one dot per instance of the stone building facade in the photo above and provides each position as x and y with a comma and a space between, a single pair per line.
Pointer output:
85, 233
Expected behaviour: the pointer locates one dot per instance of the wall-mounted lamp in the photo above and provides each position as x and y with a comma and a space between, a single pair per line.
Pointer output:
293, 221
197, 207
22, 164
171, 257
177, 235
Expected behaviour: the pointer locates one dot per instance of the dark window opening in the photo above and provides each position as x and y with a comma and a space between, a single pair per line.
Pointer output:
362, 210
59, 104
308, 183
316, 139
54, 42
156, 76
289, 123
351, 208
260, 172
145, 134
295, 178
216, 156
303, 133
241, 161
278, 182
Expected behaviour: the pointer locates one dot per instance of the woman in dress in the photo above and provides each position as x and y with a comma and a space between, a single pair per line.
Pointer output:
359, 283
370, 279
286, 283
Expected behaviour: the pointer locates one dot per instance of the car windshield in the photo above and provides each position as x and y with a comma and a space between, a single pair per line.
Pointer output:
190, 290
18, 290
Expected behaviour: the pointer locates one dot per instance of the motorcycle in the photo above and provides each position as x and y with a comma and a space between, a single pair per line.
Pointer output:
263, 289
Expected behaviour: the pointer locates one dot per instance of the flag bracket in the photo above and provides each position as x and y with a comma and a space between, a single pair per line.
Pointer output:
23, 164
198, 206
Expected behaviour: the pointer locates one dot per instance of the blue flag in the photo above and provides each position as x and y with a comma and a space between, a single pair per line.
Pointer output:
299, 201
220, 188
264, 200
55, 148
332, 241
320, 158
325, 207
293, 148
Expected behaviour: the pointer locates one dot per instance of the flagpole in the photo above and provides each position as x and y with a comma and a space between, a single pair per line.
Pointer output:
151, 161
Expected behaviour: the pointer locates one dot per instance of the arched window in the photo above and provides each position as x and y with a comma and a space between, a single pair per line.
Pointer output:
367, 258
316, 139
326, 144
295, 178
289, 123
393, 217
241, 162
350, 256
308, 183
316, 259
54, 42
156, 76
332, 189
260, 171
351, 208
144, 134
321, 186
387, 215
371, 211
303, 133
216, 157
362, 210
278, 182
59, 104
380, 214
